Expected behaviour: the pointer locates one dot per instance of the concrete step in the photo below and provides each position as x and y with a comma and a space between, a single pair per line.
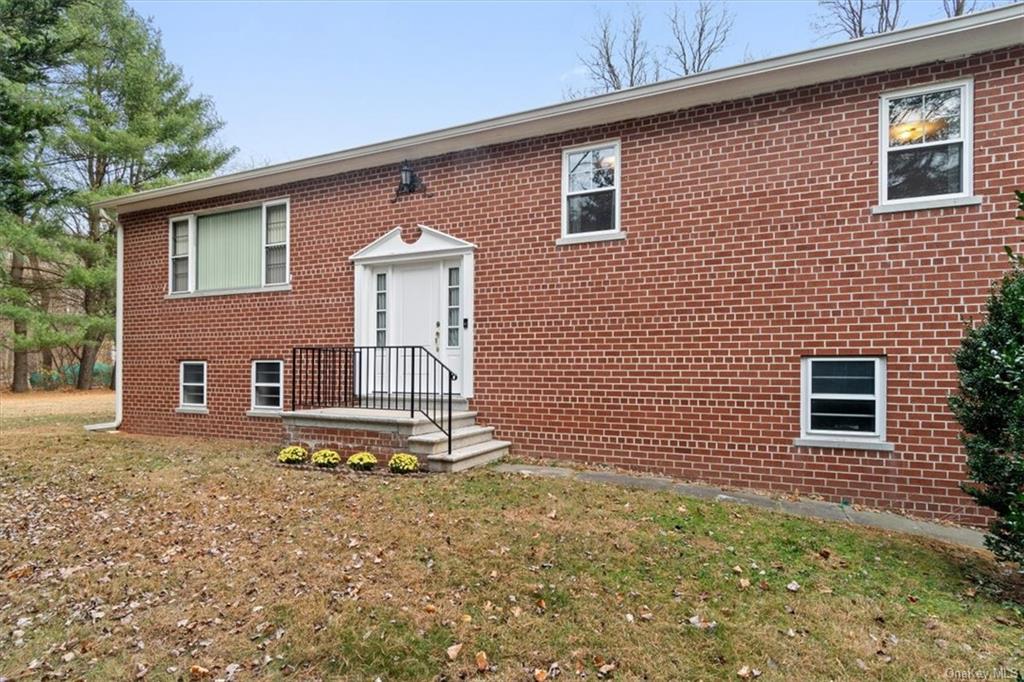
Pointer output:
437, 442
372, 420
469, 456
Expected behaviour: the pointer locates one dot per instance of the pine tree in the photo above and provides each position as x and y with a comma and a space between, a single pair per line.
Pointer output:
33, 41
133, 122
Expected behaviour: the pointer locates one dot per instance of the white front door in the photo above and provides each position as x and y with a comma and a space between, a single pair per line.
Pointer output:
423, 306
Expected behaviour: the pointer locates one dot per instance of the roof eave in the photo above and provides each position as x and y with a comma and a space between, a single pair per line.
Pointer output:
942, 40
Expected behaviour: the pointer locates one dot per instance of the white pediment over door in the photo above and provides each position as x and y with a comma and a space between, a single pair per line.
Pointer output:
391, 246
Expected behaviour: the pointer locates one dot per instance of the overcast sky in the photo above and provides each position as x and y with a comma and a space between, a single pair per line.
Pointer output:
294, 79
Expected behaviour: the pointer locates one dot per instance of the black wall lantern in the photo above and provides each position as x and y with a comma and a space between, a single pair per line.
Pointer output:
408, 181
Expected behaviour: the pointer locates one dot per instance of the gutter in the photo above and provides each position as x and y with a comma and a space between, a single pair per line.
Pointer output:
118, 336
936, 41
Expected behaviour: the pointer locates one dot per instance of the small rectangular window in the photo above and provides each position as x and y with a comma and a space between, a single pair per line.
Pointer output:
267, 392
193, 384
590, 189
275, 235
181, 249
926, 143
381, 311
843, 397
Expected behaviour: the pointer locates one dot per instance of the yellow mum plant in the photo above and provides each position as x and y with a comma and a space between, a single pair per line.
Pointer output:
293, 454
403, 463
362, 461
326, 458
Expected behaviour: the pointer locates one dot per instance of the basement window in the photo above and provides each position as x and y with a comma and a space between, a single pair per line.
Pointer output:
192, 379
267, 393
843, 402
926, 145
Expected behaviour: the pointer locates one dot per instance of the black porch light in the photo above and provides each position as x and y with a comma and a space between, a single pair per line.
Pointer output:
408, 181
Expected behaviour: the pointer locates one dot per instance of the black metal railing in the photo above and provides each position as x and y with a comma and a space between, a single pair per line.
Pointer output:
399, 378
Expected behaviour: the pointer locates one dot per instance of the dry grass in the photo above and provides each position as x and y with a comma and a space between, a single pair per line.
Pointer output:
124, 555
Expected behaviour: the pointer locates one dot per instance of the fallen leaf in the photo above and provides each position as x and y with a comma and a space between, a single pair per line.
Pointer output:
453, 651
198, 672
540, 675
793, 586
744, 583
481, 661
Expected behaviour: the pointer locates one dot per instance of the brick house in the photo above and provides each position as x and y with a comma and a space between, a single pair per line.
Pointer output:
754, 276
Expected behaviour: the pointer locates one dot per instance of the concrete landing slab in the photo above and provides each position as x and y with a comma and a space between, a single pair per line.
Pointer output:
814, 509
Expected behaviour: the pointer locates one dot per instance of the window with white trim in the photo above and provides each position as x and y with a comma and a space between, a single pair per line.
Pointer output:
275, 243
267, 390
926, 143
181, 254
843, 398
590, 189
237, 249
192, 379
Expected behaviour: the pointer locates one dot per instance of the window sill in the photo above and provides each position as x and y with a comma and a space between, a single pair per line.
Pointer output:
588, 238
843, 444
189, 409
925, 204
232, 292
264, 414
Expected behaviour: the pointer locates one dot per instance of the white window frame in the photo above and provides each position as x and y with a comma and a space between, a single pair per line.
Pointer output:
279, 385
617, 187
192, 226
966, 88
191, 255
181, 385
287, 242
829, 436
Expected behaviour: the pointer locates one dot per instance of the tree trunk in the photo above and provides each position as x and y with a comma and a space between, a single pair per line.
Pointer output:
47, 359
19, 382
42, 286
85, 370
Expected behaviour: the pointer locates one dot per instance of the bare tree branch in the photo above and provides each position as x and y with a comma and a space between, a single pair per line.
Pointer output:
618, 57
858, 18
956, 8
697, 39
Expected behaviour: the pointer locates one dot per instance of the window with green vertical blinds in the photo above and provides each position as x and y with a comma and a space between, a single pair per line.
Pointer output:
245, 248
228, 249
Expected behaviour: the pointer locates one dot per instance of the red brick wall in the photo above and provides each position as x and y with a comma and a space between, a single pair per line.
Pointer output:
750, 243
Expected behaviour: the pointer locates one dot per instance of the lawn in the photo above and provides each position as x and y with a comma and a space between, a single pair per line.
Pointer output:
127, 556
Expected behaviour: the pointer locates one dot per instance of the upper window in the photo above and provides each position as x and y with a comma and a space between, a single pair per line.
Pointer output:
192, 379
266, 384
926, 143
843, 398
240, 249
590, 188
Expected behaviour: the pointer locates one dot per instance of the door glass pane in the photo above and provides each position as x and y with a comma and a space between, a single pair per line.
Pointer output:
591, 212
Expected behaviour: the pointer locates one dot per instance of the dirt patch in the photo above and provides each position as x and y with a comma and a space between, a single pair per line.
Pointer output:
64, 403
